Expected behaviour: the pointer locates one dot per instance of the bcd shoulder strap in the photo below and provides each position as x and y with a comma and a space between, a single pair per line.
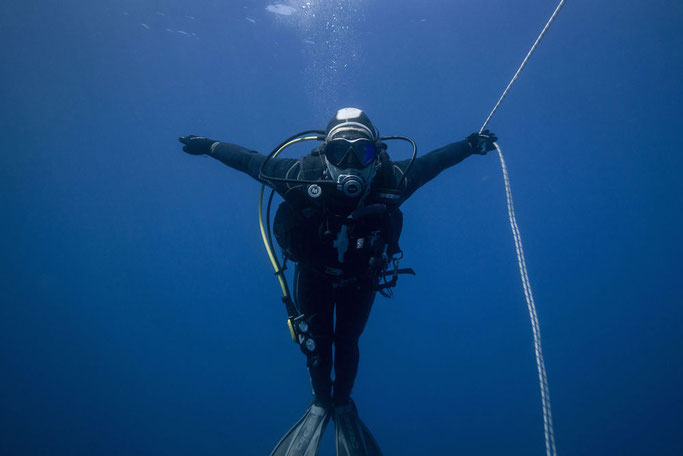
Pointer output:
312, 166
385, 189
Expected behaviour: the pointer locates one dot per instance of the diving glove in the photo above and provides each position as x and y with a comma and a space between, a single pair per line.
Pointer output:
482, 143
196, 145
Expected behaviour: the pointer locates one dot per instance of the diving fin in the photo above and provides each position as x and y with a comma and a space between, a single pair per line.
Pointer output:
304, 437
352, 437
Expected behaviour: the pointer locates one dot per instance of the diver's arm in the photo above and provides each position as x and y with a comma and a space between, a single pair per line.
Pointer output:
237, 157
428, 166
249, 161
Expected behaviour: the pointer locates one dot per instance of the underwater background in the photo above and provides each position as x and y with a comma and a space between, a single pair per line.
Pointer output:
139, 313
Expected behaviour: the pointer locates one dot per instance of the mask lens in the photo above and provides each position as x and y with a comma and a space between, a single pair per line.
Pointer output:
336, 151
367, 151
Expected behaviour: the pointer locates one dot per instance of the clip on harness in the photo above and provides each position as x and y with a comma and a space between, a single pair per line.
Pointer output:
385, 288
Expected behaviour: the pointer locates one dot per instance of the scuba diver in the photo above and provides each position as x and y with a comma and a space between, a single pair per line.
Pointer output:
340, 224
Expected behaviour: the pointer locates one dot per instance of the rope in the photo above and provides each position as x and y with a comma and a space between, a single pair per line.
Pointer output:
521, 67
533, 316
548, 430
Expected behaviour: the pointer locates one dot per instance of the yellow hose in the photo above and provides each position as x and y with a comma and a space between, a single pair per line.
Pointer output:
273, 258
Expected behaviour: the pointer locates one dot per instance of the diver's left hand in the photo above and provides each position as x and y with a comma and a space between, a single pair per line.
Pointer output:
196, 145
482, 143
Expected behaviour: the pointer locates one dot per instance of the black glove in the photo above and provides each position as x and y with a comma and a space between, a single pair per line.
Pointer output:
482, 143
196, 145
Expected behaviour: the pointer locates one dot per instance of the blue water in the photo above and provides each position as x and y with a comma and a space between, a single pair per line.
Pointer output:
139, 313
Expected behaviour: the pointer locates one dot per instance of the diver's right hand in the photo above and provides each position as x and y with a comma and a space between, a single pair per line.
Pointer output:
196, 145
482, 143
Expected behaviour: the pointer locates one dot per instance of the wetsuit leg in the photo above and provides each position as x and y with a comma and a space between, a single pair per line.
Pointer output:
353, 310
313, 296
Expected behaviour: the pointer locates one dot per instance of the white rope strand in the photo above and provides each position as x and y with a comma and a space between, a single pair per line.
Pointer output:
521, 67
550, 448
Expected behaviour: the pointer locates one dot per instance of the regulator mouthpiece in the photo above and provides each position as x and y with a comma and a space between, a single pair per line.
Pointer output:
350, 184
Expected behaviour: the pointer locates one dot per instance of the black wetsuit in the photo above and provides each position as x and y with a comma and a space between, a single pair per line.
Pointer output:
322, 282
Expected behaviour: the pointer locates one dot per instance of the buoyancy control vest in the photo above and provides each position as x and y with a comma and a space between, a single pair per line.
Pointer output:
332, 233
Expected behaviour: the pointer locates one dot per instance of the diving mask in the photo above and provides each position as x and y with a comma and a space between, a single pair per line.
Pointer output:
351, 153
